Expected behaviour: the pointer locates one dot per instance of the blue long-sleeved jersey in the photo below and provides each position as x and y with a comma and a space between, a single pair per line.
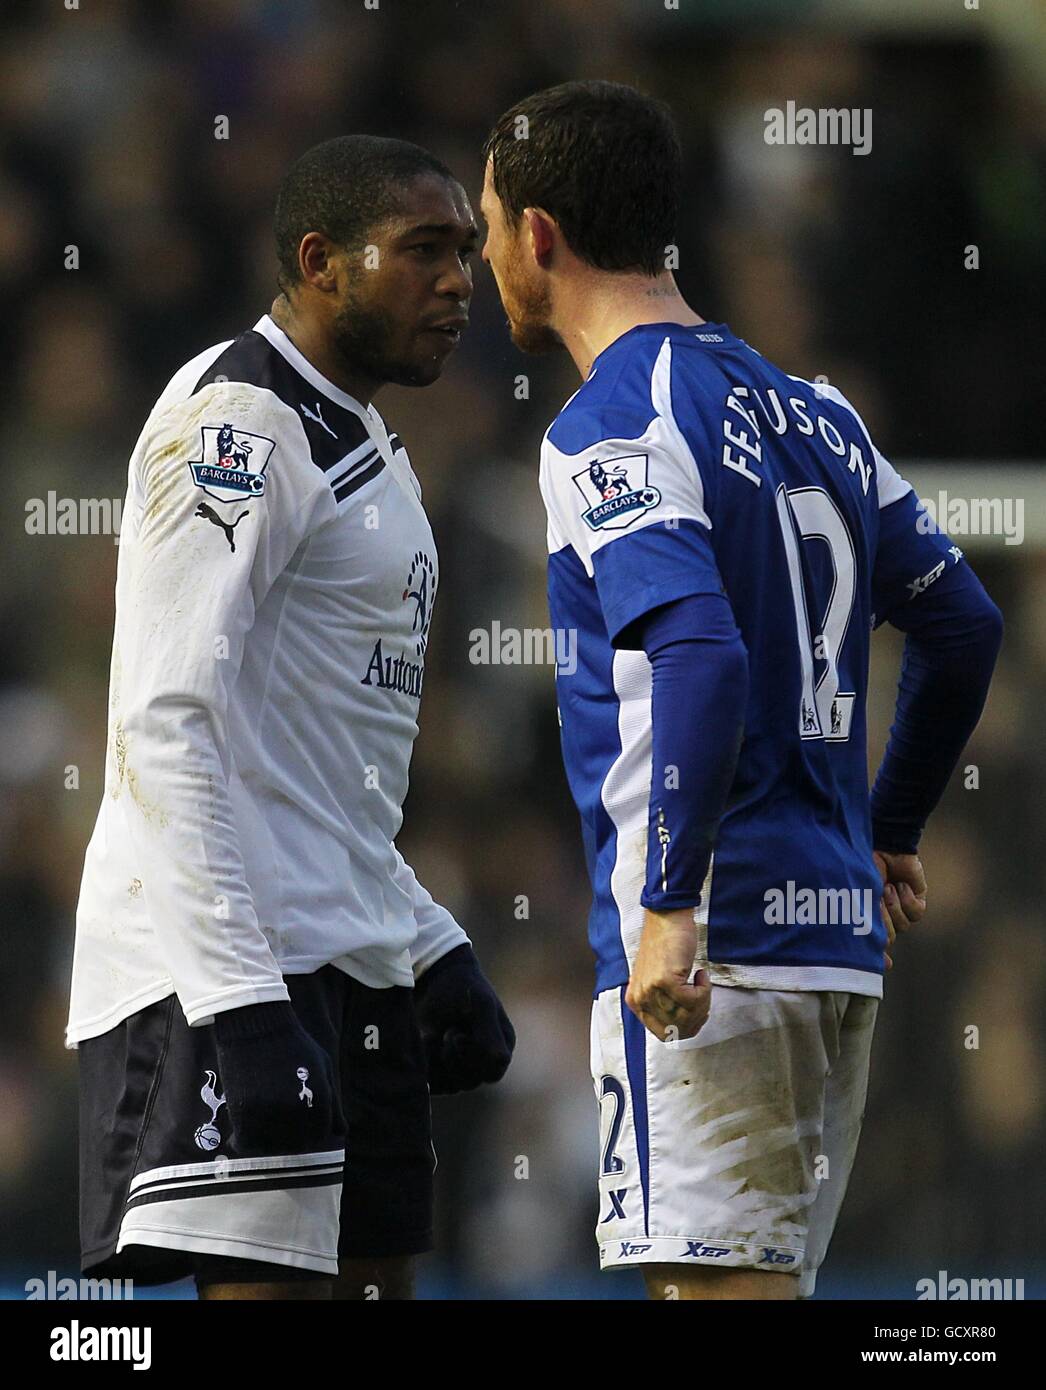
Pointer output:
686, 465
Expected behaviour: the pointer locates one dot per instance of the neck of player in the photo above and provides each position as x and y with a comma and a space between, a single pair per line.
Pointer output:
594, 310
312, 339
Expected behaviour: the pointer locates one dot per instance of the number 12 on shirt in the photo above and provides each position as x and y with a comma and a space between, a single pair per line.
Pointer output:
809, 514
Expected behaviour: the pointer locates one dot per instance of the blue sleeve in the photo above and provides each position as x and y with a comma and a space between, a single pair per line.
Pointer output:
954, 633
912, 554
699, 694
653, 567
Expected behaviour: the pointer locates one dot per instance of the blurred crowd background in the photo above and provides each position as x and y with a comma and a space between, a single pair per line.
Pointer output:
835, 265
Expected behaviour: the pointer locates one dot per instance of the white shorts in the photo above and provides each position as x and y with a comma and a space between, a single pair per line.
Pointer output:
733, 1148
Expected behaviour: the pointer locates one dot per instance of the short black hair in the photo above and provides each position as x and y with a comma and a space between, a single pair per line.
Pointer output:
601, 158
344, 188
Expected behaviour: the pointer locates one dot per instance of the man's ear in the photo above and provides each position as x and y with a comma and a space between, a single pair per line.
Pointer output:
315, 263
541, 229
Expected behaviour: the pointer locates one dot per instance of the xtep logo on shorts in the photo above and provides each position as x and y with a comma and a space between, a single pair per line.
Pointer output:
770, 1256
616, 492
233, 463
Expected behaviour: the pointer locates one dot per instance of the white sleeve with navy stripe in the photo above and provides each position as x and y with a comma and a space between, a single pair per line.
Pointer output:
687, 464
275, 585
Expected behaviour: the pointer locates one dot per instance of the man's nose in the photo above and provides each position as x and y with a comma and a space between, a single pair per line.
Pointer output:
456, 282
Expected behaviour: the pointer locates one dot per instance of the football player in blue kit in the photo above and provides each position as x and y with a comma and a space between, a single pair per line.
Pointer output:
723, 537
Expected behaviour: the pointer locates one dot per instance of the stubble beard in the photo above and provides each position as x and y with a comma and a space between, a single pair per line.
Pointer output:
364, 338
529, 313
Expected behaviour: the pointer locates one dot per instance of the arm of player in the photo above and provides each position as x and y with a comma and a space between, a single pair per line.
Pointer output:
465, 1030
195, 571
699, 692
923, 586
633, 511
438, 932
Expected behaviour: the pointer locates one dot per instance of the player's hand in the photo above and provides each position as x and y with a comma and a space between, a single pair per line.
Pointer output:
466, 1032
660, 992
903, 903
278, 1081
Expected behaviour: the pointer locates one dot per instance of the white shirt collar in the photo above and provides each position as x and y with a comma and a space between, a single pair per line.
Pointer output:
275, 335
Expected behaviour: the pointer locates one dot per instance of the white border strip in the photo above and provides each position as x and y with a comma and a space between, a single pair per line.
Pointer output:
261, 1166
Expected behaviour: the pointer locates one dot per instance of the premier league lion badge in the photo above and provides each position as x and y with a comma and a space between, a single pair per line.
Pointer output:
233, 463
616, 492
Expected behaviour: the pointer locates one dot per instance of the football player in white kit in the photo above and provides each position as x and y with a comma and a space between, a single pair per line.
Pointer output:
262, 992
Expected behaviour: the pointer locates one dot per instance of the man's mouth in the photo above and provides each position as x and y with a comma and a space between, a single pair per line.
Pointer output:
449, 329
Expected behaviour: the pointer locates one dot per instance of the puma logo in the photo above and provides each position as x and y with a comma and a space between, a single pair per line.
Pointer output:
317, 415
204, 510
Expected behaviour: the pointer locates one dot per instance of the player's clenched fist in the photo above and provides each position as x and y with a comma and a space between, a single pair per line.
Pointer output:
279, 1082
903, 903
466, 1032
660, 992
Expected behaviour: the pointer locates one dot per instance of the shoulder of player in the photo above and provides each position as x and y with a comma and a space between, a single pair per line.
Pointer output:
615, 408
825, 391
249, 385
183, 382
220, 377
625, 392
244, 405
890, 486
824, 396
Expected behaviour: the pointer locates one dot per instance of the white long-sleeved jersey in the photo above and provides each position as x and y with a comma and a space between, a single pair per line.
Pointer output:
273, 599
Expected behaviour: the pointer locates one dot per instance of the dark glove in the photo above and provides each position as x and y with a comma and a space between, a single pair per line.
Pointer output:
467, 1035
278, 1081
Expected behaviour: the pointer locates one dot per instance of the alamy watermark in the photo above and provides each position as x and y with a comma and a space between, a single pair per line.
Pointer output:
973, 516
60, 1289
528, 646
79, 1343
957, 1290
820, 907
74, 516
802, 125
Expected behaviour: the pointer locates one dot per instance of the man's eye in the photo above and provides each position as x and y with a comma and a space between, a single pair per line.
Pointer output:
425, 247
467, 252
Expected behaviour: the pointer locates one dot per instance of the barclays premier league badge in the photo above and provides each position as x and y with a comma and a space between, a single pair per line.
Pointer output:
616, 492
232, 468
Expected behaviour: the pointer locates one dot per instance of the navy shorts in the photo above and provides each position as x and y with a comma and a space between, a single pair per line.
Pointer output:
164, 1193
